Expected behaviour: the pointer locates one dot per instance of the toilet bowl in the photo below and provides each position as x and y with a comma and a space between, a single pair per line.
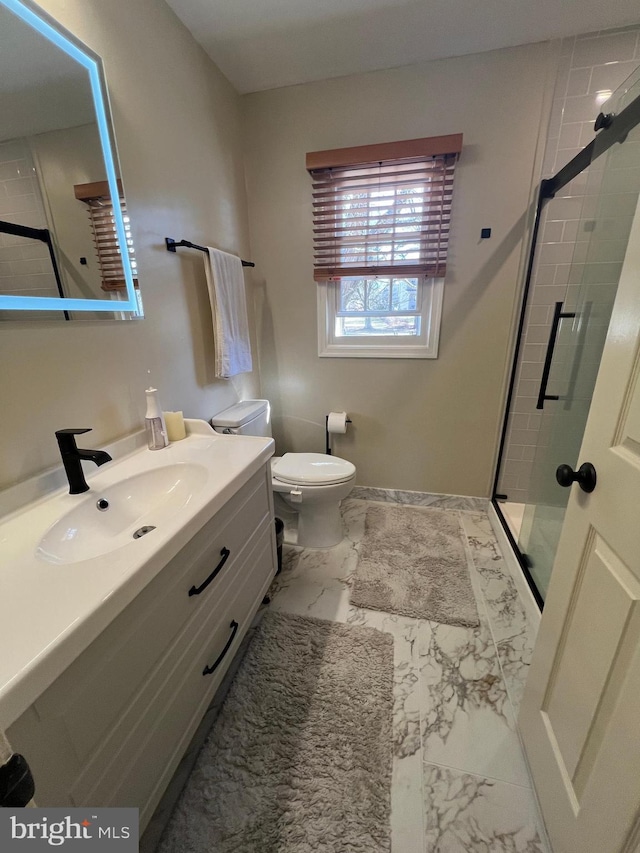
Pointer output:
311, 484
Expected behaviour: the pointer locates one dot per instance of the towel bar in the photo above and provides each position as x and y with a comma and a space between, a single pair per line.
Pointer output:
172, 245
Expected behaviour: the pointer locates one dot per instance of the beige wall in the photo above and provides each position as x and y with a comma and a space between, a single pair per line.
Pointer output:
417, 424
177, 125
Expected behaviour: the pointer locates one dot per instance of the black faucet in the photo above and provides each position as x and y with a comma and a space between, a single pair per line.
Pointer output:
72, 456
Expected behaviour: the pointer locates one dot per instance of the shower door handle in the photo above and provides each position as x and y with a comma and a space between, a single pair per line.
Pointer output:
558, 314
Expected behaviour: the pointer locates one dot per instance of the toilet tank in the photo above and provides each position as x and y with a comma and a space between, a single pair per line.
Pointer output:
249, 417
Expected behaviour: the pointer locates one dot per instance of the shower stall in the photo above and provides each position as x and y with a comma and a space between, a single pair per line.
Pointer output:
580, 237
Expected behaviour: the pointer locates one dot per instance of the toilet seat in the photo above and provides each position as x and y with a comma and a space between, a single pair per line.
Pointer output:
312, 469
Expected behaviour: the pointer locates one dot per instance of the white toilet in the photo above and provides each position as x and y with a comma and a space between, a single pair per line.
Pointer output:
311, 484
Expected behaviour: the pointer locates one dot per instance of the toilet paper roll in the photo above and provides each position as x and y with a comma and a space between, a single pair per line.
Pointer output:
337, 422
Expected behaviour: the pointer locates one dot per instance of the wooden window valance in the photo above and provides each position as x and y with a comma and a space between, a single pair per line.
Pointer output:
383, 209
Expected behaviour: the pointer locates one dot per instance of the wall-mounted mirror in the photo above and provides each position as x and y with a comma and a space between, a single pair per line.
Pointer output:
65, 243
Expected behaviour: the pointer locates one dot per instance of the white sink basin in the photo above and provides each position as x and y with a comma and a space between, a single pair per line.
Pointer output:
135, 507
69, 569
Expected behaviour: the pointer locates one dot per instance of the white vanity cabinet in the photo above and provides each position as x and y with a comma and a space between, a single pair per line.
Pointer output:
112, 728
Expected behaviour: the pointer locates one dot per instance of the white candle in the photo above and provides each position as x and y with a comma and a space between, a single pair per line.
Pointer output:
175, 425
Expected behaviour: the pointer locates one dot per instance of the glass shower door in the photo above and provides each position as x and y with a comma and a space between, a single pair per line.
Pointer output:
578, 336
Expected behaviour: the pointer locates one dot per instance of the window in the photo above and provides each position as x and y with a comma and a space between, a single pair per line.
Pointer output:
381, 217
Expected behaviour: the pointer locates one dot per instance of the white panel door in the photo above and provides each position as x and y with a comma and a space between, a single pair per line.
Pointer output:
580, 716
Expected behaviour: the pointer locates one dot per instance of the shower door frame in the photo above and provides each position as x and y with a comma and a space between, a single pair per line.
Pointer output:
611, 129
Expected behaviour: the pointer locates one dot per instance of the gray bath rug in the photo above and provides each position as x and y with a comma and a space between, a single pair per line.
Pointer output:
413, 562
299, 760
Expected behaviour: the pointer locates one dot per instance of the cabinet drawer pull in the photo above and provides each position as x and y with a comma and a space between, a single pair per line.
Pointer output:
196, 590
209, 669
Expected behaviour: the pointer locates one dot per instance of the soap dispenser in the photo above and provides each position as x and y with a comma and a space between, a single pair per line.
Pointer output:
154, 422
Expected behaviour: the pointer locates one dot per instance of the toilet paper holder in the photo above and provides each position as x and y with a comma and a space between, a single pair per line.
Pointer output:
326, 432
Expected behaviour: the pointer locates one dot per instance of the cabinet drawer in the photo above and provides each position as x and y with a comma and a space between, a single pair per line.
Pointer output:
90, 695
139, 755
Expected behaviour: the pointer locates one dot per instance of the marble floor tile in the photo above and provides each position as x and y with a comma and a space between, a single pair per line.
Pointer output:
354, 512
467, 719
515, 655
512, 631
312, 599
290, 557
484, 547
505, 609
458, 768
407, 804
471, 814
331, 566
406, 786
406, 713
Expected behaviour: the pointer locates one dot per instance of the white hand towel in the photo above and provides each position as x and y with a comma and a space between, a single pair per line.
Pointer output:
225, 281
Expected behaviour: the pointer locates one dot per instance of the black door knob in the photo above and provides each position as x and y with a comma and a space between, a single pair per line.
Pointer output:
585, 476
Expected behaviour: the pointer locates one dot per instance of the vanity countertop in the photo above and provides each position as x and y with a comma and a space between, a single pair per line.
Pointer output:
51, 611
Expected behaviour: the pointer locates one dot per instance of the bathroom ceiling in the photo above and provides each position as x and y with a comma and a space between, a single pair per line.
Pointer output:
264, 44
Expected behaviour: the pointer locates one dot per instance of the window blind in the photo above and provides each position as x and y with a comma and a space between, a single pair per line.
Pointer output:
100, 209
389, 213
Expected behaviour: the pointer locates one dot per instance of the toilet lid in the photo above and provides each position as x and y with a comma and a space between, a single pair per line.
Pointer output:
312, 469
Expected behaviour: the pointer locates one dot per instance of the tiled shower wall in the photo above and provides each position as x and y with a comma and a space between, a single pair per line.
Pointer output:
591, 67
25, 265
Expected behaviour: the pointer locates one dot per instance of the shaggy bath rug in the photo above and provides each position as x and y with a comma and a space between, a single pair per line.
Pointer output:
413, 562
299, 760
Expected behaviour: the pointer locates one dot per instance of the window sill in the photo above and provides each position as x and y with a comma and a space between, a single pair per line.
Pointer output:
382, 351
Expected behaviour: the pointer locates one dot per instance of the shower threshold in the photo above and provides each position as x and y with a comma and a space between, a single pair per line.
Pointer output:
513, 514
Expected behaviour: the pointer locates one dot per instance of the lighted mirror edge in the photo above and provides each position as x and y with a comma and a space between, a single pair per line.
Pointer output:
53, 303
23, 10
